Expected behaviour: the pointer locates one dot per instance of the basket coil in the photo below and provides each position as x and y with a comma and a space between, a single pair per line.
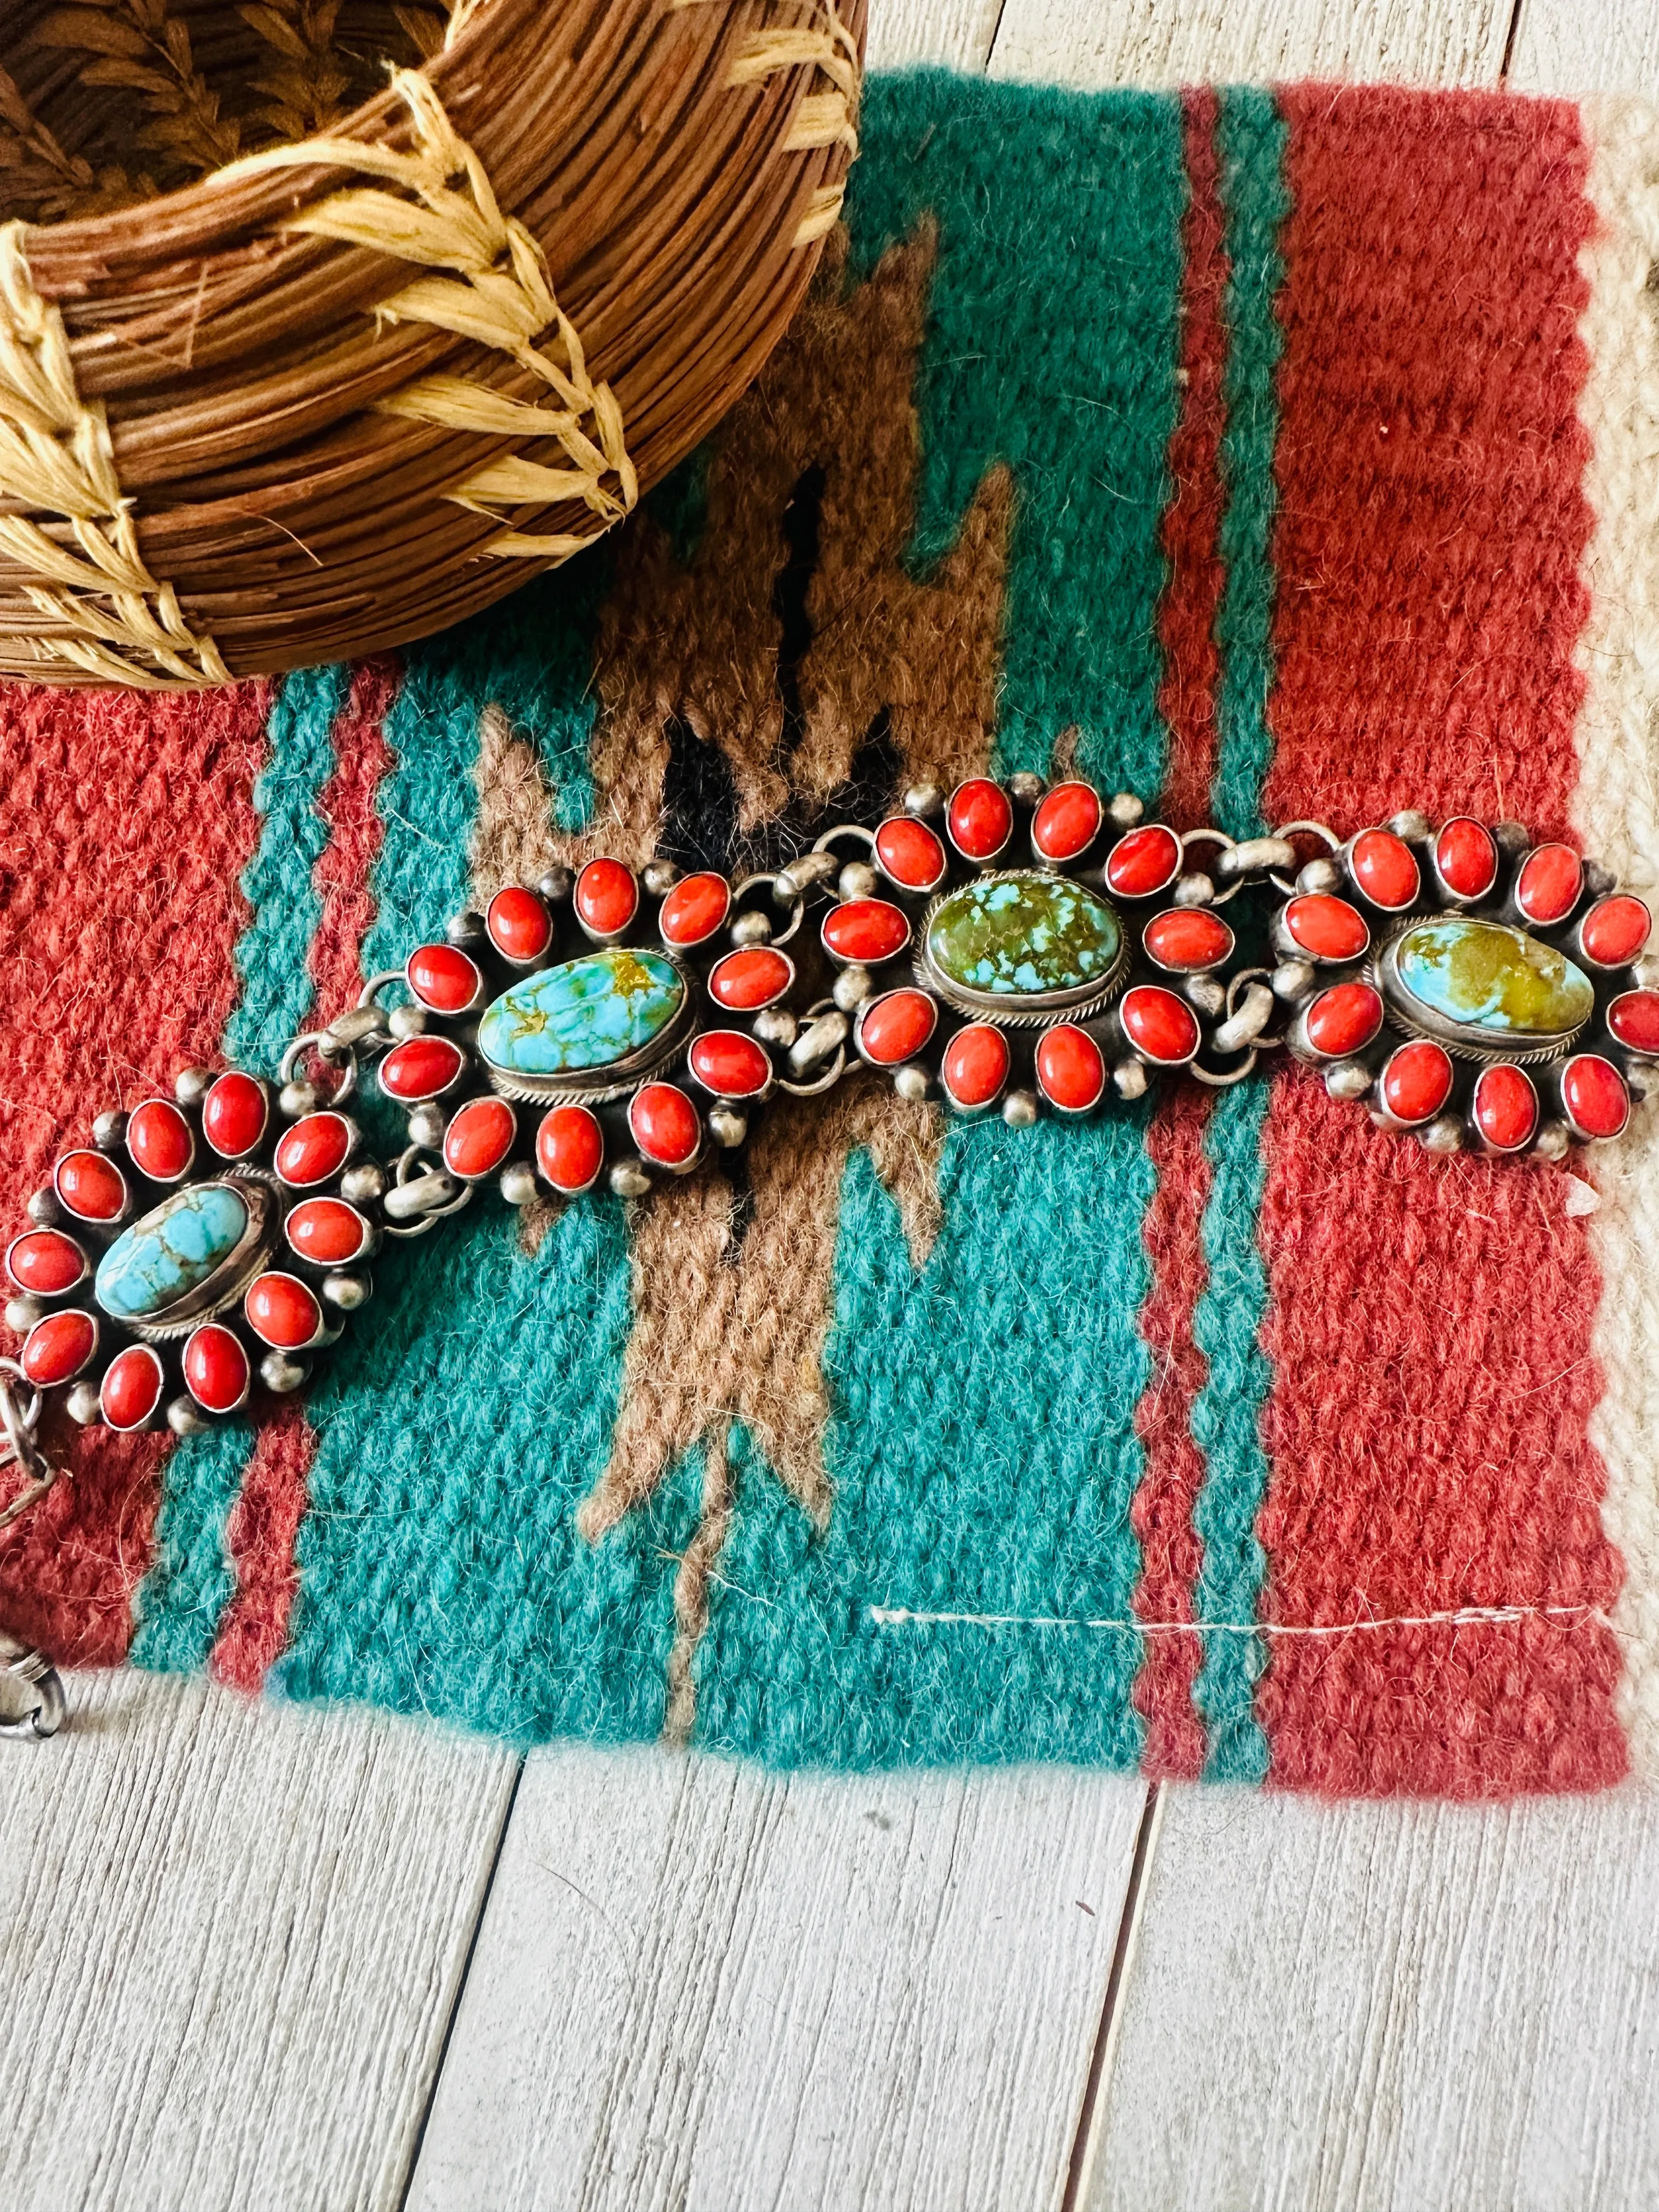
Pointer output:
331, 394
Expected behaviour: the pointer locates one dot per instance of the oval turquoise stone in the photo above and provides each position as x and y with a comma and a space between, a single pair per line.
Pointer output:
1020, 934
170, 1251
1490, 976
582, 1014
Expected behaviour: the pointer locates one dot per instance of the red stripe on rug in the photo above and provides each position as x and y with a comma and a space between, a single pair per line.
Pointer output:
264, 1523
1429, 1322
1191, 519
125, 823
1161, 1515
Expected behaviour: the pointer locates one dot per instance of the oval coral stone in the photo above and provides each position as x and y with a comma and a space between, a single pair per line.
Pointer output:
1343, 1020
420, 1067
730, 1064
896, 1028
519, 926
283, 1311
1633, 1018
1071, 1071
216, 1370
976, 1065
1466, 854
444, 978
1505, 1106
479, 1138
908, 851
570, 1149
743, 982
1385, 868
45, 1261
160, 1140
315, 1148
1592, 1092
234, 1114
1326, 928
865, 930
132, 1388
59, 1347
695, 909
1067, 822
1417, 1081
1614, 931
90, 1187
607, 897
1187, 940
666, 1125
327, 1231
980, 818
1159, 1025
1144, 862
1548, 888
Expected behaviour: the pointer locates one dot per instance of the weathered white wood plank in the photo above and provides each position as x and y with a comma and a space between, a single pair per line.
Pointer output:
956, 32
230, 1941
1390, 2006
704, 1987
1587, 45
1165, 42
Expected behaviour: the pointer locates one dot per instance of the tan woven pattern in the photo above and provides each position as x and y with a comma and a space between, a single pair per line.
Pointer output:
112, 620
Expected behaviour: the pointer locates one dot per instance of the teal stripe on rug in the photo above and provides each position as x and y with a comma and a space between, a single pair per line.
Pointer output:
177, 1606
1251, 136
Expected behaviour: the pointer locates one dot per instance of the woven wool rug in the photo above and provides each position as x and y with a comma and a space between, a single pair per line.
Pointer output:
1273, 454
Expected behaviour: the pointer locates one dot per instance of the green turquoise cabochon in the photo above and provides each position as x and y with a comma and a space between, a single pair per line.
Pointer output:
1019, 935
1492, 976
170, 1251
585, 1013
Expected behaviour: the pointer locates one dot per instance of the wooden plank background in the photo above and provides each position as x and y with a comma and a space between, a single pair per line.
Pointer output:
259, 1958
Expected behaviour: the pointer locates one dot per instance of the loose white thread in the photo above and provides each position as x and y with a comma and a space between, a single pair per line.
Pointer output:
898, 1616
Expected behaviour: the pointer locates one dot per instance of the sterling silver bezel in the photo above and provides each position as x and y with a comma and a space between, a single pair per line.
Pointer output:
1406, 1014
618, 1078
223, 1289
1035, 1010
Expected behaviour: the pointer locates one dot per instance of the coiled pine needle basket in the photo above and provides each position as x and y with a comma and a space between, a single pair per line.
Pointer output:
322, 324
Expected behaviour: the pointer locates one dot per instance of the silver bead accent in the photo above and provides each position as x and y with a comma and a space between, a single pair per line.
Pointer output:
628, 1179
1209, 997
1554, 1141
362, 1184
750, 928
1194, 890
83, 1403
186, 1418
426, 1125
777, 1025
465, 927
912, 1083
23, 1311
1125, 809
1411, 824
1349, 1078
346, 1293
556, 884
852, 988
518, 1184
191, 1085
297, 1098
1293, 979
407, 1022
727, 1126
1598, 880
1319, 878
1130, 1078
1443, 1134
1513, 837
108, 1130
857, 880
280, 1373
922, 799
659, 878
1026, 787
1019, 1109
43, 1209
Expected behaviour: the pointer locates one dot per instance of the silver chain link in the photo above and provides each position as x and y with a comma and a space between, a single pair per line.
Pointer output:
28, 1678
